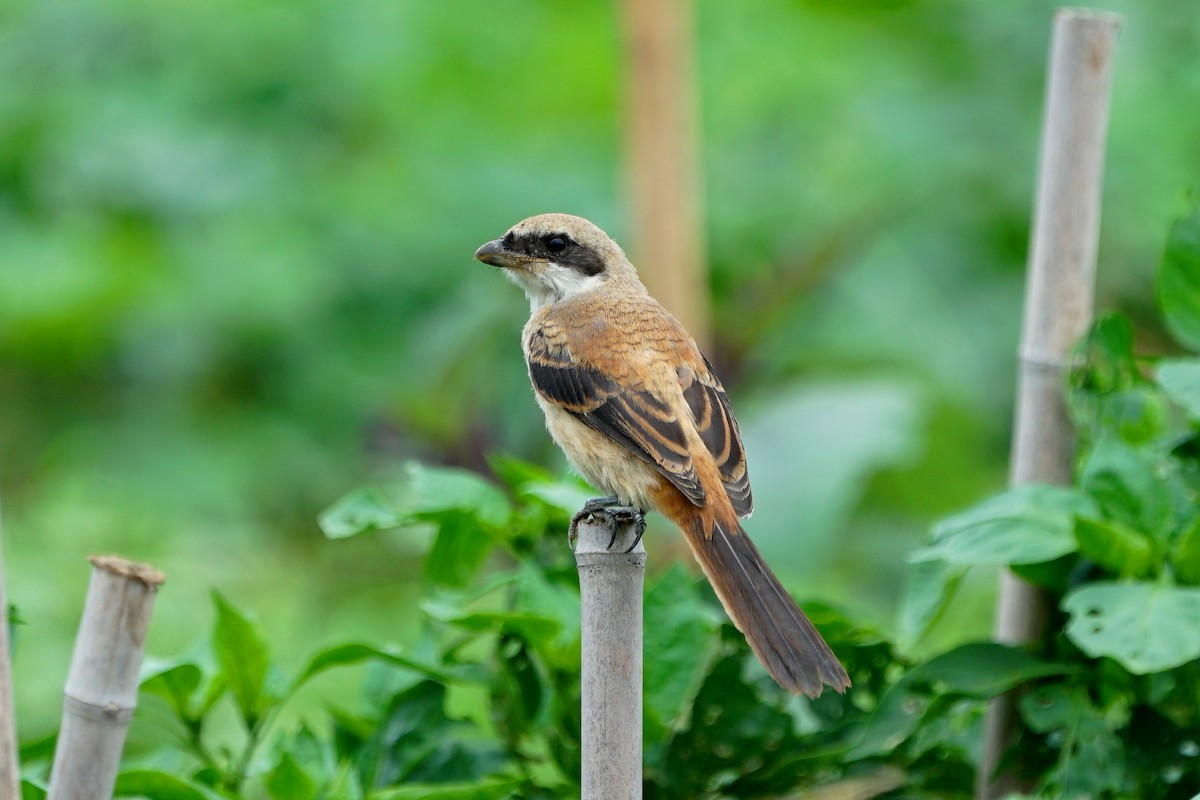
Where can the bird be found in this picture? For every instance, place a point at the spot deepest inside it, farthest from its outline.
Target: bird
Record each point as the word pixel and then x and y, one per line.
pixel 640 414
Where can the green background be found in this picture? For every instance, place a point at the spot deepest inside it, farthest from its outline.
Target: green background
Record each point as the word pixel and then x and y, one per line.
pixel 236 276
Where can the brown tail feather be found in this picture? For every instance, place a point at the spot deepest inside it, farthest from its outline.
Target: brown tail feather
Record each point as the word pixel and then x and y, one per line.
pixel 781 636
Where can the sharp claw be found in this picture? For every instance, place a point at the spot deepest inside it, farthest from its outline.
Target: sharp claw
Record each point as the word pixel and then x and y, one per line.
pixel 641 528
pixel 614 515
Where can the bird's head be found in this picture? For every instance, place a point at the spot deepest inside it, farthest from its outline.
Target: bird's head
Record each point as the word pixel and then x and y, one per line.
pixel 555 256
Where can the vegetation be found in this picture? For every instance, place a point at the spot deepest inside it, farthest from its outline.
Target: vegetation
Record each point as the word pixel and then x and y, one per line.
pixel 486 705
pixel 235 282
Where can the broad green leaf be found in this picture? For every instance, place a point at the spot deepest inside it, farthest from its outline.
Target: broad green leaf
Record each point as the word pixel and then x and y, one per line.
pixel 345 784
pixel 931 588
pixel 487 789
pixel 1185 557
pixel 32 791
pixel 458 756
pixel 1115 546
pixel 531 626
pixel 360 511
pixel 1180 379
pixel 289 781
pixel 1108 393
pixel 1025 525
pixel 984 669
pixel 1146 627
pixel 521 690
pixel 425 493
pixel 431 490
pixel 355 653
pixel 155 785
pixel 893 720
pixel 1179 280
pixel 537 595
pixel 566 497
pixel 679 647
pixel 459 550
pixel 741 727
pixel 244 659
pixel 1125 482
pixel 174 679
pixel 1091 755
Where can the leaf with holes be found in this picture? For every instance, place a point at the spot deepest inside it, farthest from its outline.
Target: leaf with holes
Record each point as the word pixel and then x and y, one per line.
pixel 1146 627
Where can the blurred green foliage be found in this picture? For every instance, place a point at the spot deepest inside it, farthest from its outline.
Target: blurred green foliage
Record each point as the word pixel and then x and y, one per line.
pixel 235 274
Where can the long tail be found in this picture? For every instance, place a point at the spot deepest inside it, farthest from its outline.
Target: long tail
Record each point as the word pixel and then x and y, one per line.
pixel 781 636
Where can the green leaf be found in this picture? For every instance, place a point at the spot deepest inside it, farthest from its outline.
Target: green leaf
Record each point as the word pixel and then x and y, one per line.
pixel 1180 379
pixel 32 791
pixel 425 493
pixel 1115 546
pixel 893 720
pixel 345 785
pixel 1185 556
pixel 155 785
pixel 433 490
pixel 458 551
pixel 1108 393
pixel 354 653
pixel 289 781
pixel 537 595
pixel 981 670
pixel 487 789
pixel 244 659
pixel 931 588
pixel 361 511
pixel 678 650
pixel 1146 627
pixel 1128 487
pixel 174 679
pixel 1091 759
pixel 1025 525
pixel 566 497
pixel 1179 280
pixel 984 669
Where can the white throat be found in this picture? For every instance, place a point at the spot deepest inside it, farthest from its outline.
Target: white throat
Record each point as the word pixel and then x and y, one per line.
pixel 552 283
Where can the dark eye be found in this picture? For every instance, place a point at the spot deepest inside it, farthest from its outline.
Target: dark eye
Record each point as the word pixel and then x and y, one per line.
pixel 556 244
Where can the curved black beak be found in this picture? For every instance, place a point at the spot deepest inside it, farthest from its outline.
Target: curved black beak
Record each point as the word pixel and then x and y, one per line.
pixel 494 253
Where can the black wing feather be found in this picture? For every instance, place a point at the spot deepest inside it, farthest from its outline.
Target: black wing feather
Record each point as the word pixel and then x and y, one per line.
pixel 634 419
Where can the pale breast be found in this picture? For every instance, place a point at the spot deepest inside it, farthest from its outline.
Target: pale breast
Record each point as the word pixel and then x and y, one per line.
pixel 601 461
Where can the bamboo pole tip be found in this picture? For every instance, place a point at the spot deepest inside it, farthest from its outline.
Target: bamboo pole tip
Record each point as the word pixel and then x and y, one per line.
pixel 1110 18
pixel 145 574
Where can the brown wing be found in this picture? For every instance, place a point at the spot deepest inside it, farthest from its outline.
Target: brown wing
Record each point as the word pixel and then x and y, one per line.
pixel 719 431
pixel 642 423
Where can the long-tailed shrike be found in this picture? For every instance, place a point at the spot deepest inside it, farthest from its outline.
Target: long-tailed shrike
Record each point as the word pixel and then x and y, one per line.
pixel 639 413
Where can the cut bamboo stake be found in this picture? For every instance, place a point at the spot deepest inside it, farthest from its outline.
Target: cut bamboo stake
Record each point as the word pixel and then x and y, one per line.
pixel 10 771
pixel 1058 310
pixel 662 158
pixel 101 690
pixel 610 595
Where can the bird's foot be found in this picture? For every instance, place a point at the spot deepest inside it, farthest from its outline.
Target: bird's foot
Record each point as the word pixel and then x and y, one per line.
pixel 614 516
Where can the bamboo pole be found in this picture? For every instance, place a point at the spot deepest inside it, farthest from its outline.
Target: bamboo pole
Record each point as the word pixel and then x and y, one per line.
pixel 662 158
pixel 10 770
pixel 101 690
pixel 610 594
pixel 1058 310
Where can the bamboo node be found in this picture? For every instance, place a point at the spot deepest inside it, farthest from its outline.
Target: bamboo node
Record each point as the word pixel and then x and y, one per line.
pixel 108 712
pixel 1049 362
pixel 145 574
